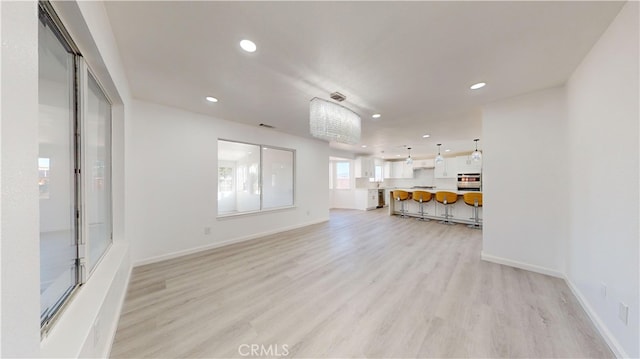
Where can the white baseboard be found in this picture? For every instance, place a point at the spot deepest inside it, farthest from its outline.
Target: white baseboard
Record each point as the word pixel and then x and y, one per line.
pixel 223 243
pixel 611 341
pixel 521 265
pixel 595 319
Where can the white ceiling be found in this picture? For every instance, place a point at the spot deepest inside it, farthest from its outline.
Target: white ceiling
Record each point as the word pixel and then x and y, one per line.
pixel 413 62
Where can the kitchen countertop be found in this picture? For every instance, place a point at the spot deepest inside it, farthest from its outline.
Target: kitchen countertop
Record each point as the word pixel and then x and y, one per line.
pixel 460 193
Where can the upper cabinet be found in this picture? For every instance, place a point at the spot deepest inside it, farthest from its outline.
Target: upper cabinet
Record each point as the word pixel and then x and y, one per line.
pixel 407 170
pixel 398 169
pixel 430 163
pixel 446 169
pixel 466 165
pixel 365 167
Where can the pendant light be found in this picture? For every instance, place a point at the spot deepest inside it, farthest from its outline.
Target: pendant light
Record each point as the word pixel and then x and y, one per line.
pixel 476 155
pixel 439 157
pixel 409 159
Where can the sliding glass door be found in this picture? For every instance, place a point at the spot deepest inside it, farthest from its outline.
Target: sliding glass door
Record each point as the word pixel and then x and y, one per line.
pixel 56 165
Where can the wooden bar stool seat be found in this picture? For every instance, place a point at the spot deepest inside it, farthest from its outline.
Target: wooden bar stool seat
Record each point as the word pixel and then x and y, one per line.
pixel 401 196
pixel 422 197
pixel 475 200
pixel 447 199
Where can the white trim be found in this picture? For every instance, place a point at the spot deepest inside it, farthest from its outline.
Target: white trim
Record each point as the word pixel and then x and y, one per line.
pixel 521 265
pixel 116 318
pixel 251 213
pixel 185 252
pixel 87 305
pixel 609 338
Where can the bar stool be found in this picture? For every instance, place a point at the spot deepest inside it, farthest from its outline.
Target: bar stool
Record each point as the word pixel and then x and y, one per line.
pixel 422 197
pixel 447 199
pixel 401 196
pixel 475 200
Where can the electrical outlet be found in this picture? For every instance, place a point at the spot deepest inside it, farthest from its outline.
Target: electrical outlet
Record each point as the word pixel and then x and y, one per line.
pixel 207 230
pixel 603 290
pixel 623 313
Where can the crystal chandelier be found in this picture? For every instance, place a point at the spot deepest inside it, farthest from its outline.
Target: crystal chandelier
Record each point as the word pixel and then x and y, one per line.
pixel 476 155
pixel 332 122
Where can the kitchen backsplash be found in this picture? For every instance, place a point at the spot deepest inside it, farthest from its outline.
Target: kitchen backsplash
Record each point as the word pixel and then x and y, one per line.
pixel 421 177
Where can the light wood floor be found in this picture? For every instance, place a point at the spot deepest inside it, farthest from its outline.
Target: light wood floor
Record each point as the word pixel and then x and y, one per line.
pixel 362 285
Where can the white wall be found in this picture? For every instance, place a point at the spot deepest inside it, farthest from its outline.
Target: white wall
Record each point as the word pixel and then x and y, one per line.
pixel 174 183
pixel 561 172
pixel 72 335
pixel 20 277
pixel 603 117
pixel 525 181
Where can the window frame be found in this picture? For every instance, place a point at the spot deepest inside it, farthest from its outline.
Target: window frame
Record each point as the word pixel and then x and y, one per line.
pixel 81 72
pixel 48 16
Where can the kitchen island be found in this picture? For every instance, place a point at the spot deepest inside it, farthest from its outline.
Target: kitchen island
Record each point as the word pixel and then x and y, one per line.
pixel 461 212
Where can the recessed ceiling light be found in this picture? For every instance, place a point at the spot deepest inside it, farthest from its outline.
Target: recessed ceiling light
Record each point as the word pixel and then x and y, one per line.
pixel 376 115
pixel 479 85
pixel 397 155
pixel 364 146
pixel 248 45
pixel 211 99
pixel 447 150
pixel 426 136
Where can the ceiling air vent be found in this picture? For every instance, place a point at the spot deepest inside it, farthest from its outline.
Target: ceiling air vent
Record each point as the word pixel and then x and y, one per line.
pixel 338 96
pixel 265 125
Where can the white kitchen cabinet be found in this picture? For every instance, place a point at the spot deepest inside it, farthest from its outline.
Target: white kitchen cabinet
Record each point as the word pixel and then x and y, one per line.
pixel 398 169
pixel 392 169
pixel 429 163
pixel 365 167
pixel 387 169
pixel 465 164
pixel 407 170
pixel 366 199
pixel 372 199
pixel 446 169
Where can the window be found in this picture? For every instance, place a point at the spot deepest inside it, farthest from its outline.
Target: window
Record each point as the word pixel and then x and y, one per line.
pixel 74 166
pixel 96 136
pixel 57 163
pixel 253 178
pixel 277 177
pixel 343 178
